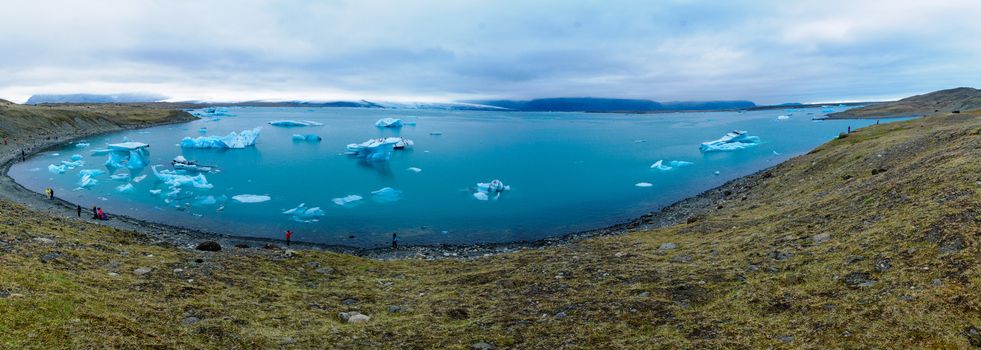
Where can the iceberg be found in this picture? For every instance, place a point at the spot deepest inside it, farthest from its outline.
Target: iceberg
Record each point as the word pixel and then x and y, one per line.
pixel 732 141
pixel 87 181
pixel 389 123
pixel 120 177
pixel 125 188
pixel 307 137
pixel 659 165
pixel 294 123
pixel 233 140
pixel 386 195
pixel 155 192
pixel 375 149
pixel 486 189
pixel 181 163
pixel 131 155
pixel 783 117
pixel 205 200
pixel 414 169
pixel 57 169
pixel 251 198
pixel 82 144
pixel 643 184
pixel 348 201
pixel 76 157
pixel 303 214
pixel 73 165
pixel 176 181
pixel 139 178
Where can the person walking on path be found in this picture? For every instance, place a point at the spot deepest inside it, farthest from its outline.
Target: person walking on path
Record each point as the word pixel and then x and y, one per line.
pixel 79 210
pixel 395 241
pixel 101 215
pixel 95 213
pixel 51 193
pixel 289 235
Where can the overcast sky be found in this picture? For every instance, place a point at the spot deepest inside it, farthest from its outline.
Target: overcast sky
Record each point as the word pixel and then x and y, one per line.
pixel 764 51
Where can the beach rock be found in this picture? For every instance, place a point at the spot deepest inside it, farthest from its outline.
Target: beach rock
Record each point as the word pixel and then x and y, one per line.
pixel 973 336
pixel 349 301
pixel 781 256
pixel 325 270
pixel 289 253
pixel 142 271
pixel 482 346
pixel 242 246
pixel 313 264
pixel 821 238
pixel 644 294
pixel 359 318
pixel 668 246
pixel 851 259
pixel 394 309
pixel 209 246
pixel 786 338
pixel 561 315
pixel 859 280
pixel 883 264
pixel 682 258
pixel 190 320
pixel 50 257
pixel 952 245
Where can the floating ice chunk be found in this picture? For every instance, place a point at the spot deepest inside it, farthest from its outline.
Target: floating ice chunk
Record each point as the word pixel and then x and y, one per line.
pixel 131 155
pixel 125 188
pixel 294 123
pixel 348 201
pixel 374 149
pixel 717 173
pixel 139 178
pixel 386 195
pixel 640 141
pixel 120 177
pixel 87 181
pixel 99 152
pixel 73 165
pixel 203 130
pixel 307 138
pixel 303 214
pixel 181 163
pixel 155 192
pixel 55 154
pixel 643 184
pixel 389 123
pixel 82 144
pixel 206 200
pixel 487 189
pixel 233 140
pixel 776 153
pixel 57 169
pixel 659 165
pixel 414 169
pixel 732 141
pixel 251 198
pixel 176 180
pixel 76 157
pixel 90 172
pixel 783 117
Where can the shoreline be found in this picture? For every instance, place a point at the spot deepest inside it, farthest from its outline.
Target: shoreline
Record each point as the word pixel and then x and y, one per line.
pixel 686 210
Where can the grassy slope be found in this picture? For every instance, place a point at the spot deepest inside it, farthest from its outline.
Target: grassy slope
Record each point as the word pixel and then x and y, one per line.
pixel 22 120
pixel 724 285
pixel 958 99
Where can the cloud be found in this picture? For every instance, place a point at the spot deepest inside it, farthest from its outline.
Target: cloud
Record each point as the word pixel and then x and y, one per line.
pixel 766 51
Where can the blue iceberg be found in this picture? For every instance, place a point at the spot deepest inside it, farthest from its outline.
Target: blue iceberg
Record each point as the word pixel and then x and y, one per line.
pixel 389 123
pixel 87 180
pixel 131 155
pixel 732 141
pixel 485 190
pixel 659 165
pixel 348 201
pixel 303 214
pixel 127 188
pixel 386 195
pixel 374 149
pixel 233 140
pixel 73 165
pixel 120 177
pixel 294 123
pixel 82 144
pixel 307 138
pixel 76 157
pixel 176 181
pixel 251 198
pixel 57 169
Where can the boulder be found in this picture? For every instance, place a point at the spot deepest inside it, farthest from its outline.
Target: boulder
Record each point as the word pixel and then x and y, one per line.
pixel 209 246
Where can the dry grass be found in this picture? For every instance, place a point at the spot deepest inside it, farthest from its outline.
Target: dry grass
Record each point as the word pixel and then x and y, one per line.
pixel 749 275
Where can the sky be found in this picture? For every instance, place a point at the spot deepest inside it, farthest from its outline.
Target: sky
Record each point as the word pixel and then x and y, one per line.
pixel 764 51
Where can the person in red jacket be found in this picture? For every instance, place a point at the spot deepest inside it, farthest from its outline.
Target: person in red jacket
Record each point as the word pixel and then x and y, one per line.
pixel 289 234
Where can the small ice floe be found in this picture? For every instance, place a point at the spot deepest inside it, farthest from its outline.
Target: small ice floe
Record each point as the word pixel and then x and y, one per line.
pixel 378 149
pixel 119 177
pixel 643 184
pixel 303 214
pixel 717 173
pixel 389 123
pixel 175 180
pixel 639 141
pixel 348 201
pixel 659 165
pixel 783 117
pixel 233 140
pixel 57 169
pixel 131 155
pixel 294 123
pixel 82 144
pixel 181 163
pixel 87 181
pixel 488 190
pixel 55 154
pixel 306 138
pixel 732 141
pixel 139 178
pixel 203 130
pixel 414 169
pixel 776 153
pixel 125 188
pixel 76 157
pixel 251 198
pixel 155 192
pixel 386 195
pixel 72 165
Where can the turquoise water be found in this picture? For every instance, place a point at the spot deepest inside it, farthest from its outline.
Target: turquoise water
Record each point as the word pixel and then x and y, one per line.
pixel 567 171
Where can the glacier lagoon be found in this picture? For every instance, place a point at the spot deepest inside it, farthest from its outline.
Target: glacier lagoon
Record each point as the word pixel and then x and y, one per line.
pixel 566 172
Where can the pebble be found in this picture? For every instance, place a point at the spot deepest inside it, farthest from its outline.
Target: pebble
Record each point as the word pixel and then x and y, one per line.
pixel 142 271
pixel 349 301
pixel 668 246
pixel 482 346
pixel 44 240
pixel 394 309
pixel 112 274
pixel 359 318
pixel 325 270
pixel 821 238
pixel 50 257
pixel 190 320
pixel 644 294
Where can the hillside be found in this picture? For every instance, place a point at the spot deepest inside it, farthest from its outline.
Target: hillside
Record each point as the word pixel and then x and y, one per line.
pixel 868 241
pixel 26 121
pixel 958 99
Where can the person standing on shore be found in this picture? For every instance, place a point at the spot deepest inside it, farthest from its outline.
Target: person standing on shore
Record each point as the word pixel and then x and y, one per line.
pixel 95 213
pixel 395 241
pixel 100 215
pixel 79 210
pixel 289 235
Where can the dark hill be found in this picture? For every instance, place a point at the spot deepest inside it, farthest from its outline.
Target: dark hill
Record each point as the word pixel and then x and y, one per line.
pixel 958 99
